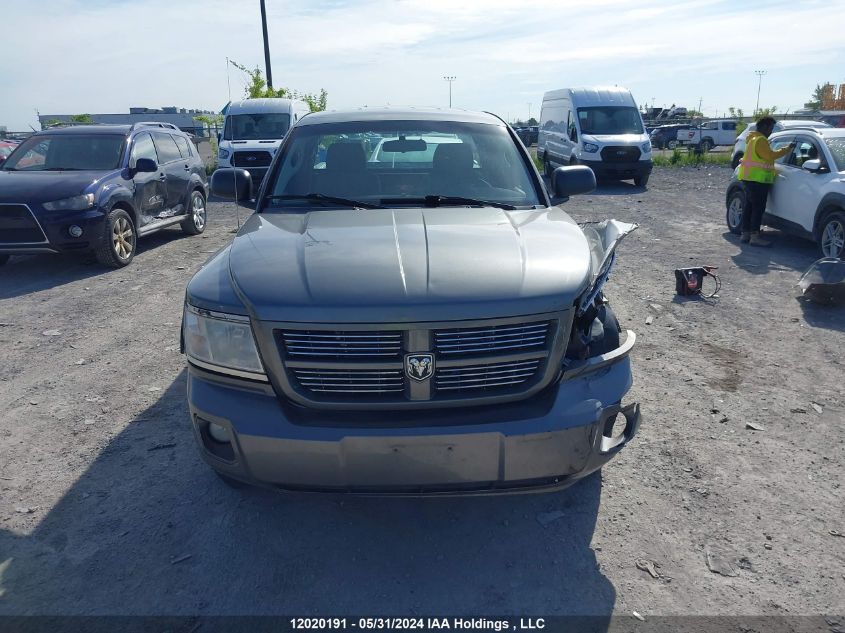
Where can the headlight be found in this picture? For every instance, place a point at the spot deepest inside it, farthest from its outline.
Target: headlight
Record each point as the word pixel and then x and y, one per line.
pixel 223 154
pixel 591 148
pixel 221 342
pixel 646 147
pixel 77 203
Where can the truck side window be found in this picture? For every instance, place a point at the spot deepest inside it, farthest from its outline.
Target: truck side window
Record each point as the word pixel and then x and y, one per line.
pixel 142 147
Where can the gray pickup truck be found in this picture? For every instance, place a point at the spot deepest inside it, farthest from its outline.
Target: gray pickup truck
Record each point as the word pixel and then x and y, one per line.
pixel 408 312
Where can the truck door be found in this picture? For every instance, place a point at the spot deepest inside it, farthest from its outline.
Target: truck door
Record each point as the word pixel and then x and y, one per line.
pixel 150 188
pixel 178 174
pixel 798 188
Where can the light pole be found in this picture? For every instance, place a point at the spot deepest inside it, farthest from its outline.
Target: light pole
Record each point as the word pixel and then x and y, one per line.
pixel 529 113
pixel 450 79
pixel 759 74
pixel 266 46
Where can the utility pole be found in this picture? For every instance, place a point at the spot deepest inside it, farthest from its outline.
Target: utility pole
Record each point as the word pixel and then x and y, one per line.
pixel 450 79
pixel 529 112
pixel 266 46
pixel 759 74
pixel 700 99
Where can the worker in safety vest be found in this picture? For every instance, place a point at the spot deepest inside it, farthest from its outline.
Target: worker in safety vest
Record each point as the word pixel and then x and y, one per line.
pixel 757 171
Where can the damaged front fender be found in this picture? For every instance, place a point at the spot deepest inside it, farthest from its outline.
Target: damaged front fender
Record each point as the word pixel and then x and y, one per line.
pixel 603 238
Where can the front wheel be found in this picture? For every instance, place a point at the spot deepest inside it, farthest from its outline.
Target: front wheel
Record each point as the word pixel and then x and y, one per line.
pixel 672 144
pixel 194 222
pixel 832 235
pixel 118 243
pixel 706 145
pixel 641 181
pixel 735 211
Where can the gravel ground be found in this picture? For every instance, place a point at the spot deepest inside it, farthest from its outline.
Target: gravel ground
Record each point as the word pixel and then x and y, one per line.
pixel 106 508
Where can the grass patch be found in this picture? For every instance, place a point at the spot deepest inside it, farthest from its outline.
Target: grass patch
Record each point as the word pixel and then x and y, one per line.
pixel 688 158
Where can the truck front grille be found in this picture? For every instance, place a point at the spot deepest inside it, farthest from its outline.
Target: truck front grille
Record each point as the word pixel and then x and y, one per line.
pixel 19 226
pixel 251 159
pixel 620 154
pixel 355 367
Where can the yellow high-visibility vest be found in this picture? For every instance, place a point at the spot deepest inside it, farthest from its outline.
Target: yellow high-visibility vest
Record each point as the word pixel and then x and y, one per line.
pixel 754 168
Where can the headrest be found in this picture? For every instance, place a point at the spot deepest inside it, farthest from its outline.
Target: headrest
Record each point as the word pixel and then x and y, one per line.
pixel 453 157
pixel 346 156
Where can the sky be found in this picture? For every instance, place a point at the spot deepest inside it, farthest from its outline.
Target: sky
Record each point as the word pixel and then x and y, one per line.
pixel 102 56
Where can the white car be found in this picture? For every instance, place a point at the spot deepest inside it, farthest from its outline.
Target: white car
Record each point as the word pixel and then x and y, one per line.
pixel 808 195
pixel 739 146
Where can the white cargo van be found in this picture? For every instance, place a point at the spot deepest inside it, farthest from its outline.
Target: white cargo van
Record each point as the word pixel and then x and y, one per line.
pixel 598 127
pixel 252 132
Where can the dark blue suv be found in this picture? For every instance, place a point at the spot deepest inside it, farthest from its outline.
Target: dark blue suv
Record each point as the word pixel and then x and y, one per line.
pixel 98 188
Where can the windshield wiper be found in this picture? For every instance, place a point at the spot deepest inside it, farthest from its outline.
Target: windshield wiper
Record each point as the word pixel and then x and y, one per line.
pixel 319 197
pixel 440 201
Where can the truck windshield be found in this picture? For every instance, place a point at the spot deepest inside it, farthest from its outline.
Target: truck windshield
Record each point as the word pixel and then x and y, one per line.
pixel 254 127
pixel 395 163
pixel 610 120
pixel 67 152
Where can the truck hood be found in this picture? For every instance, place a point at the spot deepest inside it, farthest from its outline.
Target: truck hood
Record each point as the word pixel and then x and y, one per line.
pixel 408 265
pixel 44 186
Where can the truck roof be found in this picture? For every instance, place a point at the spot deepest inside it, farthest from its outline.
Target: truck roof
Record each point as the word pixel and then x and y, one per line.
pixel 251 106
pixel 595 96
pixel 400 114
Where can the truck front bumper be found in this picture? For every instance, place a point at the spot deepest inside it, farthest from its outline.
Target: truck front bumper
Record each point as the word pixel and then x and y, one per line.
pixel 551 440
pixel 621 171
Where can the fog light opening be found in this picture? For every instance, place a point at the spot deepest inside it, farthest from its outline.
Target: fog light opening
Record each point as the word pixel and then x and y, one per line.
pixel 614 428
pixel 75 231
pixel 218 433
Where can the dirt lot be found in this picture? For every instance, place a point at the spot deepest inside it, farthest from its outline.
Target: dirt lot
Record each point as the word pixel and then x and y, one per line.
pixel 106 508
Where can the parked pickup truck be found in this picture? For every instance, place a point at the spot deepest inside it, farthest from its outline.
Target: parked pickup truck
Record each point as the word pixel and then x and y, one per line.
pixel 709 134
pixel 417 318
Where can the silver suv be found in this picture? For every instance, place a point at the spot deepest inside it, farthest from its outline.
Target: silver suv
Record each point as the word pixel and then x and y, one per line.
pixel 808 195
pixel 407 312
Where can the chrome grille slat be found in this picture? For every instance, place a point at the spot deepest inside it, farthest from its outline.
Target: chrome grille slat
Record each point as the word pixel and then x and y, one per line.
pixel 491 335
pixel 341 345
pixel 489 376
pixel 492 340
pixel 350 381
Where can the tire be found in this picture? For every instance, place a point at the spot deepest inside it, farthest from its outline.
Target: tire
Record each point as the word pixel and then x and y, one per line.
pixel 194 223
pixel 735 210
pixel 735 160
pixel 641 181
pixel 832 235
pixel 672 145
pixel 4 259
pixel 119 240
pixel 237 484
pixel 706 145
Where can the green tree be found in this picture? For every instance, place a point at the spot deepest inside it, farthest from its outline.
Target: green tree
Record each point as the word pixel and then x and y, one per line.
pixel 257 88
pixel 81 118
pixel 210 121
pixel 761 112
pixel 815 102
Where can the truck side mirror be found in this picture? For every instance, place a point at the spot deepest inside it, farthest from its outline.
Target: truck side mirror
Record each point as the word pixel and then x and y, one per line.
pixel 570 181
pixel 232 184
